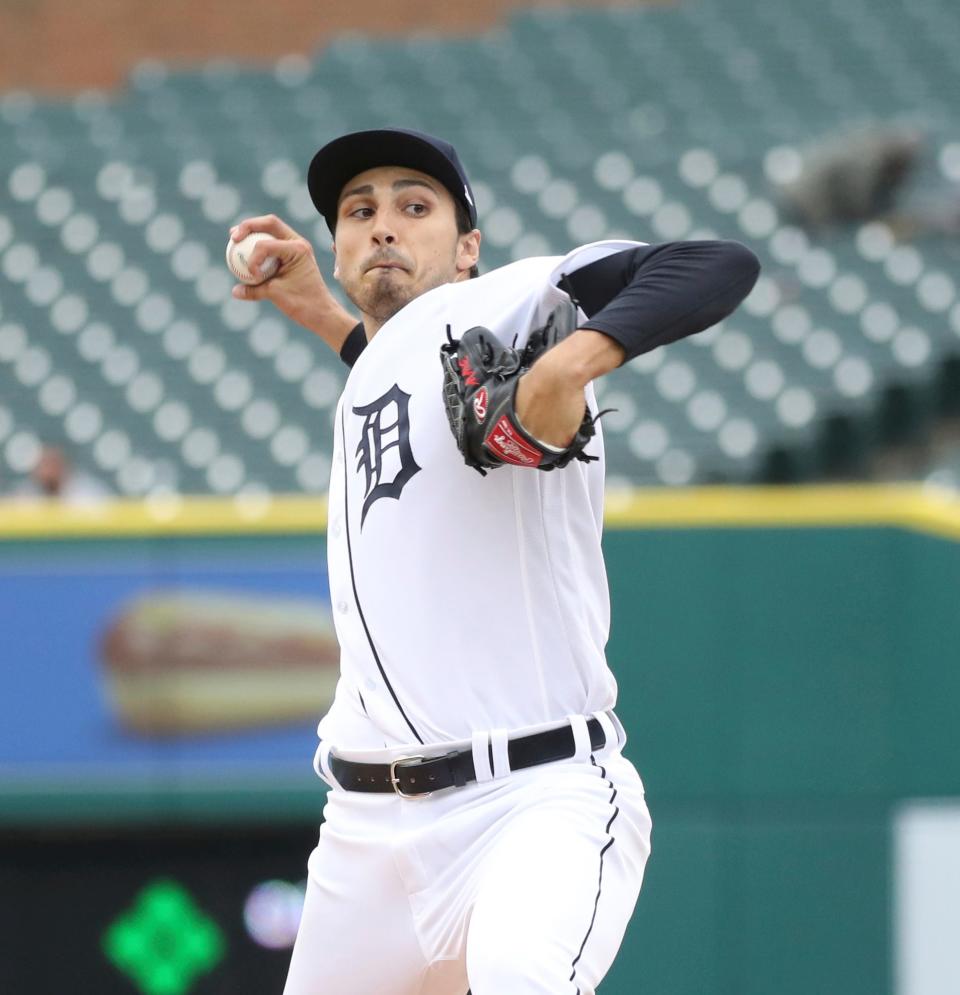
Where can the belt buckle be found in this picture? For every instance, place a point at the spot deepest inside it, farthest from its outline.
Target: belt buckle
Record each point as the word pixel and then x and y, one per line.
pixel 395 781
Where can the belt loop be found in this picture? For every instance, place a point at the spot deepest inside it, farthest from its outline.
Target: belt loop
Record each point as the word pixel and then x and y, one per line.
pixel 501 756
pixel 321 764
pixel 610 734
pixel 481 757
pixel 581 738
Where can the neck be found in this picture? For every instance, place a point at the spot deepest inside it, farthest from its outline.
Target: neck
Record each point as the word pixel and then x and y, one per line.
pixel 372 325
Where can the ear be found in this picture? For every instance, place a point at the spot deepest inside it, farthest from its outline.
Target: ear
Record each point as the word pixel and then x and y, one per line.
pixel 336 265
pixel 468 251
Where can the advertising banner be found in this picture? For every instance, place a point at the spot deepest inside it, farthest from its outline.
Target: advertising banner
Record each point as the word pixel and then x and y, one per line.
pixel 158 667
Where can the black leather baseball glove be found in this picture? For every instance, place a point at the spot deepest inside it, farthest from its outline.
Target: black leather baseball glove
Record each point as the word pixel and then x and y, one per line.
pixel 480 377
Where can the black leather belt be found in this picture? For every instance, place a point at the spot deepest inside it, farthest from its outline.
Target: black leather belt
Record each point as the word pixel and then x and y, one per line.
pixel 413 776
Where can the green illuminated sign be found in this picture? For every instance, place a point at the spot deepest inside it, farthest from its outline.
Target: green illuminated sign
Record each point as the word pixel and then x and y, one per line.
pixel 164 941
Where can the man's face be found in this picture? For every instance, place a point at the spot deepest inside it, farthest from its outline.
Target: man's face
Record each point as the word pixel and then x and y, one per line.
pixel 397 238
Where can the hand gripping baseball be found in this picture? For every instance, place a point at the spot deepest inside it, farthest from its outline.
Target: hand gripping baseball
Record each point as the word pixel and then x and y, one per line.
pixel 296 287
pixel 480 377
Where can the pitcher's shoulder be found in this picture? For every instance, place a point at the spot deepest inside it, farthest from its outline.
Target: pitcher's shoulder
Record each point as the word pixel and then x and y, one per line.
pixel 513 278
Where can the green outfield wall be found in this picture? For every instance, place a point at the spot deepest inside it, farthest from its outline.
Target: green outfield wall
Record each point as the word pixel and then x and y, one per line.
pixel 783 689
pixel 788 671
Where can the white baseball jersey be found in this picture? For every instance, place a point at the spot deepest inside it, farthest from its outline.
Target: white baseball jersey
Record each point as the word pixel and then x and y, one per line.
pixel 462 603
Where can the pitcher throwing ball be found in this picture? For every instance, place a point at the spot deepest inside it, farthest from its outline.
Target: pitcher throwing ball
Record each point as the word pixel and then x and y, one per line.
pixel 483 830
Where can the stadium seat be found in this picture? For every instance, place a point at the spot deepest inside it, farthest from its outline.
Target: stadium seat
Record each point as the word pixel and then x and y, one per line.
pixel 119 339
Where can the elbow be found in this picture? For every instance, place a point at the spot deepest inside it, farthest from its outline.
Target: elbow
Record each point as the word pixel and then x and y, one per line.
pixel 736 273
pixel 721 264
pixel 741 263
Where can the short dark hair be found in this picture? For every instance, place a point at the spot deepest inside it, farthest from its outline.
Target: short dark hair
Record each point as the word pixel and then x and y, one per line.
pixel 464 228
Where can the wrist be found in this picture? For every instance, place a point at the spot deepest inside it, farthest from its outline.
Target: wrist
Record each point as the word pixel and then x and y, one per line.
pixel 332 322
pixel 581 358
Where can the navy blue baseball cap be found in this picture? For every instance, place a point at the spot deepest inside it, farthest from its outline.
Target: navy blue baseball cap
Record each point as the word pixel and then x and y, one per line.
pixel 343 158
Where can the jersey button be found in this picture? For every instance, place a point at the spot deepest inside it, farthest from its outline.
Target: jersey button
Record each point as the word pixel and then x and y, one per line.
pixel 343 607
pixel 335 528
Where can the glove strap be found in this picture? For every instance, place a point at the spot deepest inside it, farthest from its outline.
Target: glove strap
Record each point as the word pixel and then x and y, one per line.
pixel 556 450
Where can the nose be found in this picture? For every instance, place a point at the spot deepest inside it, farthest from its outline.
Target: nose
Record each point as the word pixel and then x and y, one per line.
pixel 383 234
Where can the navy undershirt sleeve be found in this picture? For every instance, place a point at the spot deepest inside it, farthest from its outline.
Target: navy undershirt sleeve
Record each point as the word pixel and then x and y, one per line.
pixel 353 345
pixel 655 294
pixel 651 295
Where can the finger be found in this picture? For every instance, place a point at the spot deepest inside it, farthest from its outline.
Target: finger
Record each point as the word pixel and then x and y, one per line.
pixel 285 251
pixel 245 292
pixel 268 223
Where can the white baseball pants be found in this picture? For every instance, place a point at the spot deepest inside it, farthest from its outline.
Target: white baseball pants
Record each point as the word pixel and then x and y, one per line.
pixel 522 885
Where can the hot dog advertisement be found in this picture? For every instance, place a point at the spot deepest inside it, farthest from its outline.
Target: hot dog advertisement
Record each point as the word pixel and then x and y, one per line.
pixel 162 666
pixel 189 661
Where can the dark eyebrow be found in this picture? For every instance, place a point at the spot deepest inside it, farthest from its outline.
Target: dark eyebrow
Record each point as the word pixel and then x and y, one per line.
pixel 402 184
pixel 367 188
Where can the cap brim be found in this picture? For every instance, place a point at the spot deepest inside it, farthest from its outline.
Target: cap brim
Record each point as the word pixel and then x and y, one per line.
pixel 343 158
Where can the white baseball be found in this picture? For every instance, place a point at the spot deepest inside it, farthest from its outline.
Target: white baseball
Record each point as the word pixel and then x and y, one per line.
pixel 238 256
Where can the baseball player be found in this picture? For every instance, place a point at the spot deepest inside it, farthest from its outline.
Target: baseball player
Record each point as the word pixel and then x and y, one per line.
pixel 484 830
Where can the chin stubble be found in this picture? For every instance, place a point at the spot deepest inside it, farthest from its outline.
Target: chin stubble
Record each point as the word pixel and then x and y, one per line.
pixel 383 300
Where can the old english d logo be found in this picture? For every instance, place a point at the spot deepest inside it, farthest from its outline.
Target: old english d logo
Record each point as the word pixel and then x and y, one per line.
pixel 384 451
